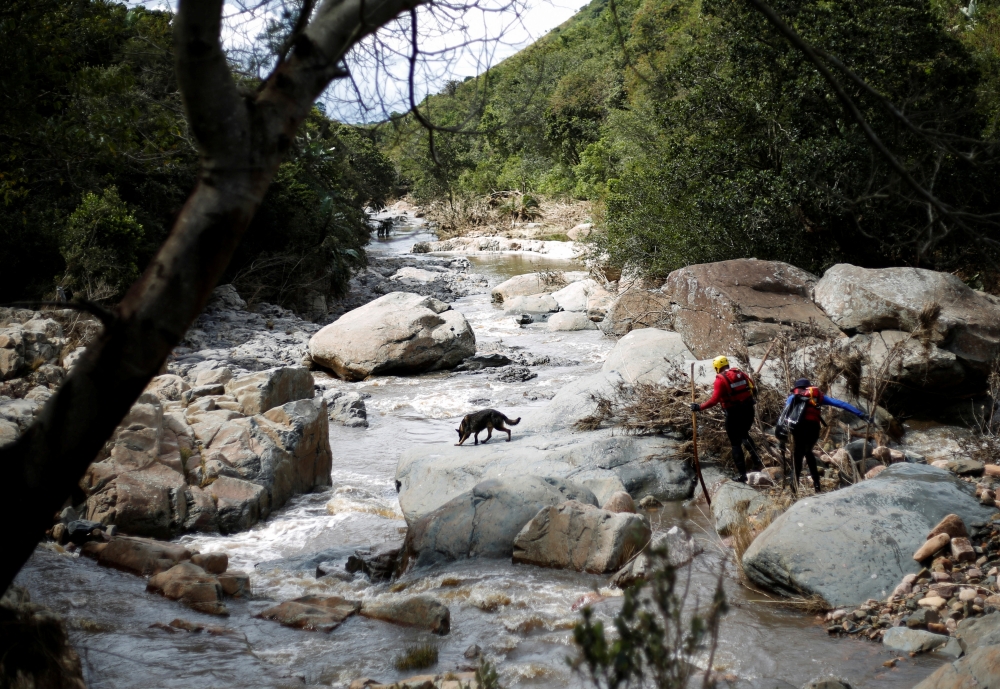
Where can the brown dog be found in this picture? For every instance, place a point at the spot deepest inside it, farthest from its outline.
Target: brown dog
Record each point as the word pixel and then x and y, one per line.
pixel 487 419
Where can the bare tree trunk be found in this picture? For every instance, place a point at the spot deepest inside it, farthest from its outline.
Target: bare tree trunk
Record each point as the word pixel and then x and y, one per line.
pixel 242 139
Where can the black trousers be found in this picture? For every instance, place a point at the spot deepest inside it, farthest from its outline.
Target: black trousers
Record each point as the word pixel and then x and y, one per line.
pixel 805 434
pixel 739 420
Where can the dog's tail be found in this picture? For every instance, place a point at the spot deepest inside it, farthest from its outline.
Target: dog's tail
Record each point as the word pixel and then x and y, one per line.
pixel 512 422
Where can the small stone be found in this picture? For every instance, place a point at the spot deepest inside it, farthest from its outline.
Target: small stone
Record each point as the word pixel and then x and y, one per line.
pixel 952 525
pixel 951 625
pixel 931 546
pixel 992 470
pixel 909 578
pixel 932 602
pixel 59 533
pixel 473 652
pixel 967 595
pixel 937 628
pixel 620 502
pixel 921 618
pixel 961 550
pixel 837 615
pixel 940 576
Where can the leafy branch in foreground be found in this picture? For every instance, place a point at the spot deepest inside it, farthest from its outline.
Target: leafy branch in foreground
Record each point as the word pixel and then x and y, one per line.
pixel 657 641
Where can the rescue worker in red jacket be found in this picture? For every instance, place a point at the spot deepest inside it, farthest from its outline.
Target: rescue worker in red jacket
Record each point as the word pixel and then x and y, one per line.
pixel 734 391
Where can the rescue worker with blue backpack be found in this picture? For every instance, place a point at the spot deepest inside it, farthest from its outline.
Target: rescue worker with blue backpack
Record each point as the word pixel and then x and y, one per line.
pixel 734 391
pixel 801 418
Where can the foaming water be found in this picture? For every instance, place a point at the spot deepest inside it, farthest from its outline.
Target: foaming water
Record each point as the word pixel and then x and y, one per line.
pixel 520 616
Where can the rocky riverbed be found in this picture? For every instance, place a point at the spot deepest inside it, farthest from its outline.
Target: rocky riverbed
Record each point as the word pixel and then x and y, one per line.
pixel 396 537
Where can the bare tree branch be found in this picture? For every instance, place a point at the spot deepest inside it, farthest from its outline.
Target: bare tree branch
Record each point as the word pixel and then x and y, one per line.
pixel 242 140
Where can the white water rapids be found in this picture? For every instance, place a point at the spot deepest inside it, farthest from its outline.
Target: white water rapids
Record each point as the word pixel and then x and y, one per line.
pixel 520 616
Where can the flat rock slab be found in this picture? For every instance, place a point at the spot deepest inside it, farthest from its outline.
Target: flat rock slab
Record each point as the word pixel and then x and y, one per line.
pixel 192 585
pixel 416 611
pixel 315 613
pixel 142 556
pixel 907 640
pixel 857 543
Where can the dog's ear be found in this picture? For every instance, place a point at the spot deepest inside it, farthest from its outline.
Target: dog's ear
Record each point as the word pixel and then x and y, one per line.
pixel 459 431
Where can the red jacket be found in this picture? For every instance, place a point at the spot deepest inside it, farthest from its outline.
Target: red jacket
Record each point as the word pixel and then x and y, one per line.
pixel 732 387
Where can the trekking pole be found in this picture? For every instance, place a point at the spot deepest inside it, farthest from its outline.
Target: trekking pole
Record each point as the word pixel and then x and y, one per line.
pixel 764 360
pixel 694 441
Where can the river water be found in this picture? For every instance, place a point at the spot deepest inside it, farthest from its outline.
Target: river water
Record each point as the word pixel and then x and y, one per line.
pixel 520 616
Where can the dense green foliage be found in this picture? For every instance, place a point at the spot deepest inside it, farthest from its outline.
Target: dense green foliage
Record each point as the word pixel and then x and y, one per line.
pixel 706 136
pixel 96 160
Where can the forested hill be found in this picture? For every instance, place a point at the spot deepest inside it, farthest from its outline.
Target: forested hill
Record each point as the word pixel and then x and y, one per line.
pixel 702 135
pixel 96 160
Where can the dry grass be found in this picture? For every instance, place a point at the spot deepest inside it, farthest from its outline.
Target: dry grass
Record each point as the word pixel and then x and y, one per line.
pixel 416 658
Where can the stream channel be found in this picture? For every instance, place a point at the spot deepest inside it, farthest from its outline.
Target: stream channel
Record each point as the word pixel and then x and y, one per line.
pixel 521 616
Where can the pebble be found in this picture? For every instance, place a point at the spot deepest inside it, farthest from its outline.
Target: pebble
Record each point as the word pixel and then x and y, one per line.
pixel 932 602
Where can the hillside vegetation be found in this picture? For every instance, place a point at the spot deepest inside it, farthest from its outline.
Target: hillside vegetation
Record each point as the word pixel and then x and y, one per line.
pixel 702 135
pixel 96 161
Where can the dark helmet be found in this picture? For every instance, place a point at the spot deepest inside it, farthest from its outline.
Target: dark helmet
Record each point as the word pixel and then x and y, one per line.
pixel 802 383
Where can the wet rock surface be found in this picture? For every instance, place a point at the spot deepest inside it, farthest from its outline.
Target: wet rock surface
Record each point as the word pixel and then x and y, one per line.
pixel 485 521
pixel 855 543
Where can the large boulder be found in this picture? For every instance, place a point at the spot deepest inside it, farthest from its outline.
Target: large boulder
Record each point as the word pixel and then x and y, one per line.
pixel 192 585
pixel 567 321
pixel 635 309
pixel 857 543
pixel 399 333
pixel 586 296
pixel 648 355
pixel 484 521
pixel 142 556
pixel 869 300
pixel 532 283
pixel 265 390
pixel 575 535
pixel 315 613
pixel 422 612
pixel 717 307
pixel 162 476
pixel 534 305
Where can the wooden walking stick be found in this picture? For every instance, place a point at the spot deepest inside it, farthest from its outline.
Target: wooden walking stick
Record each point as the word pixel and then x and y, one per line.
pixel 694 441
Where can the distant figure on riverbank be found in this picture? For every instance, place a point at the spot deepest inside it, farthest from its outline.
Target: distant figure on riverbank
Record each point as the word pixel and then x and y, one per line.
pixel 801 417
pixel 735 392
pixel 487 419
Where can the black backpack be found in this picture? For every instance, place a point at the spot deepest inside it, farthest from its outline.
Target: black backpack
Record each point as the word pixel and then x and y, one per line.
pixel 790 417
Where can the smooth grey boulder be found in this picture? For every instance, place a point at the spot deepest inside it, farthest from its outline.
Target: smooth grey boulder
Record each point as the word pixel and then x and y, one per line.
pixel 485 521
pixel 857 543
pixel 568 321
pixel 868 300
pixel 907 640
pixel 533 283
pixel 574 535
pixel 428 476
pixel 537 305
pixel 648 355
pixel 400 333
pixel 586 296
pixel 347 408
pixel 731 504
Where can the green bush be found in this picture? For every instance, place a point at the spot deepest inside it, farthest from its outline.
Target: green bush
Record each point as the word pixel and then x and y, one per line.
pixel 101 246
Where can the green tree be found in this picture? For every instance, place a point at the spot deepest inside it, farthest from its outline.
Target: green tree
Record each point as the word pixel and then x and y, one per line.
pixel 101 246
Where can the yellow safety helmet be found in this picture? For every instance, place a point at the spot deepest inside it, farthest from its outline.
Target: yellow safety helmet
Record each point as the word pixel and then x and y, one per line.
pixel 719 363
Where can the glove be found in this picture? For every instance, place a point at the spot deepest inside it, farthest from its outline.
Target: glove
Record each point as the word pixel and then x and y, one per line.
pixel 695 406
